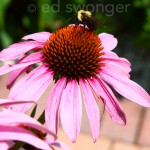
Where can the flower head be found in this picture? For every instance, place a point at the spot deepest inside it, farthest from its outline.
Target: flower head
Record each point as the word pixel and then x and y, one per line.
pixel 73 53
pixel 80 63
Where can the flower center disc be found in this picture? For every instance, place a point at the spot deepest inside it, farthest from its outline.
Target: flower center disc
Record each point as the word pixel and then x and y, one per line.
pixel 73 52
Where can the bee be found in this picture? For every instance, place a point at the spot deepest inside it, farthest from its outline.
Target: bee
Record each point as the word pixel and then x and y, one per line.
pixel 85 17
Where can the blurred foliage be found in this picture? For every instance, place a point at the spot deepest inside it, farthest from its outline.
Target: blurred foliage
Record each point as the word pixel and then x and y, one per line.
pixel 128 20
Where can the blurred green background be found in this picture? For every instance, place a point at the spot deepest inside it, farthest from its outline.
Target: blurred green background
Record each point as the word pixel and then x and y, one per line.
pixel 128 20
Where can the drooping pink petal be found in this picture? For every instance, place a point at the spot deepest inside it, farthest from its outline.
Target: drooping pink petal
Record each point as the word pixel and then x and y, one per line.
pixel 40 36
pixel 118 69
pixel 71 110
pixel 110 58
pixel 91 109
pixel 109 42
pixel 26 61
pixel 110 54
pixel 119 66
pixel 30 87
pixel 53 104
pixel 110 101
pixel 10 118
pixel 127 88
pixel 16 50
pixel 10 133
pixel 7 145
pixel 4 145
pixel 7 102
pixel 13 76
pixel 60 145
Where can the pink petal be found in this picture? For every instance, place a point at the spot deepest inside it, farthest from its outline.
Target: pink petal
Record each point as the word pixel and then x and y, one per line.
pixel 10 118
pixel 52 106
pixel 6 145
pixel 110 54
pixel 61 145
pixel 16 50
pixel 40 36
pixel 8 133
pixel 109 42
pixel 25 62
pixel 30 87
pixel 127 88
pixel 91 109
pixel 110 58
pixel 13 76
pixel 111 61
pixel 121 66
pixel 7 102
pixel 71 110
pixel 110 101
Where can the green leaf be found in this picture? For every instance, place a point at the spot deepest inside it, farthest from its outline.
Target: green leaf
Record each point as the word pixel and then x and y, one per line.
pixel 5 39
pixel 34 111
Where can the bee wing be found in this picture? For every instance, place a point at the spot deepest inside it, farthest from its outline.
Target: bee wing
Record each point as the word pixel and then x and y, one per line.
pixel 73 17
pixel 101 23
